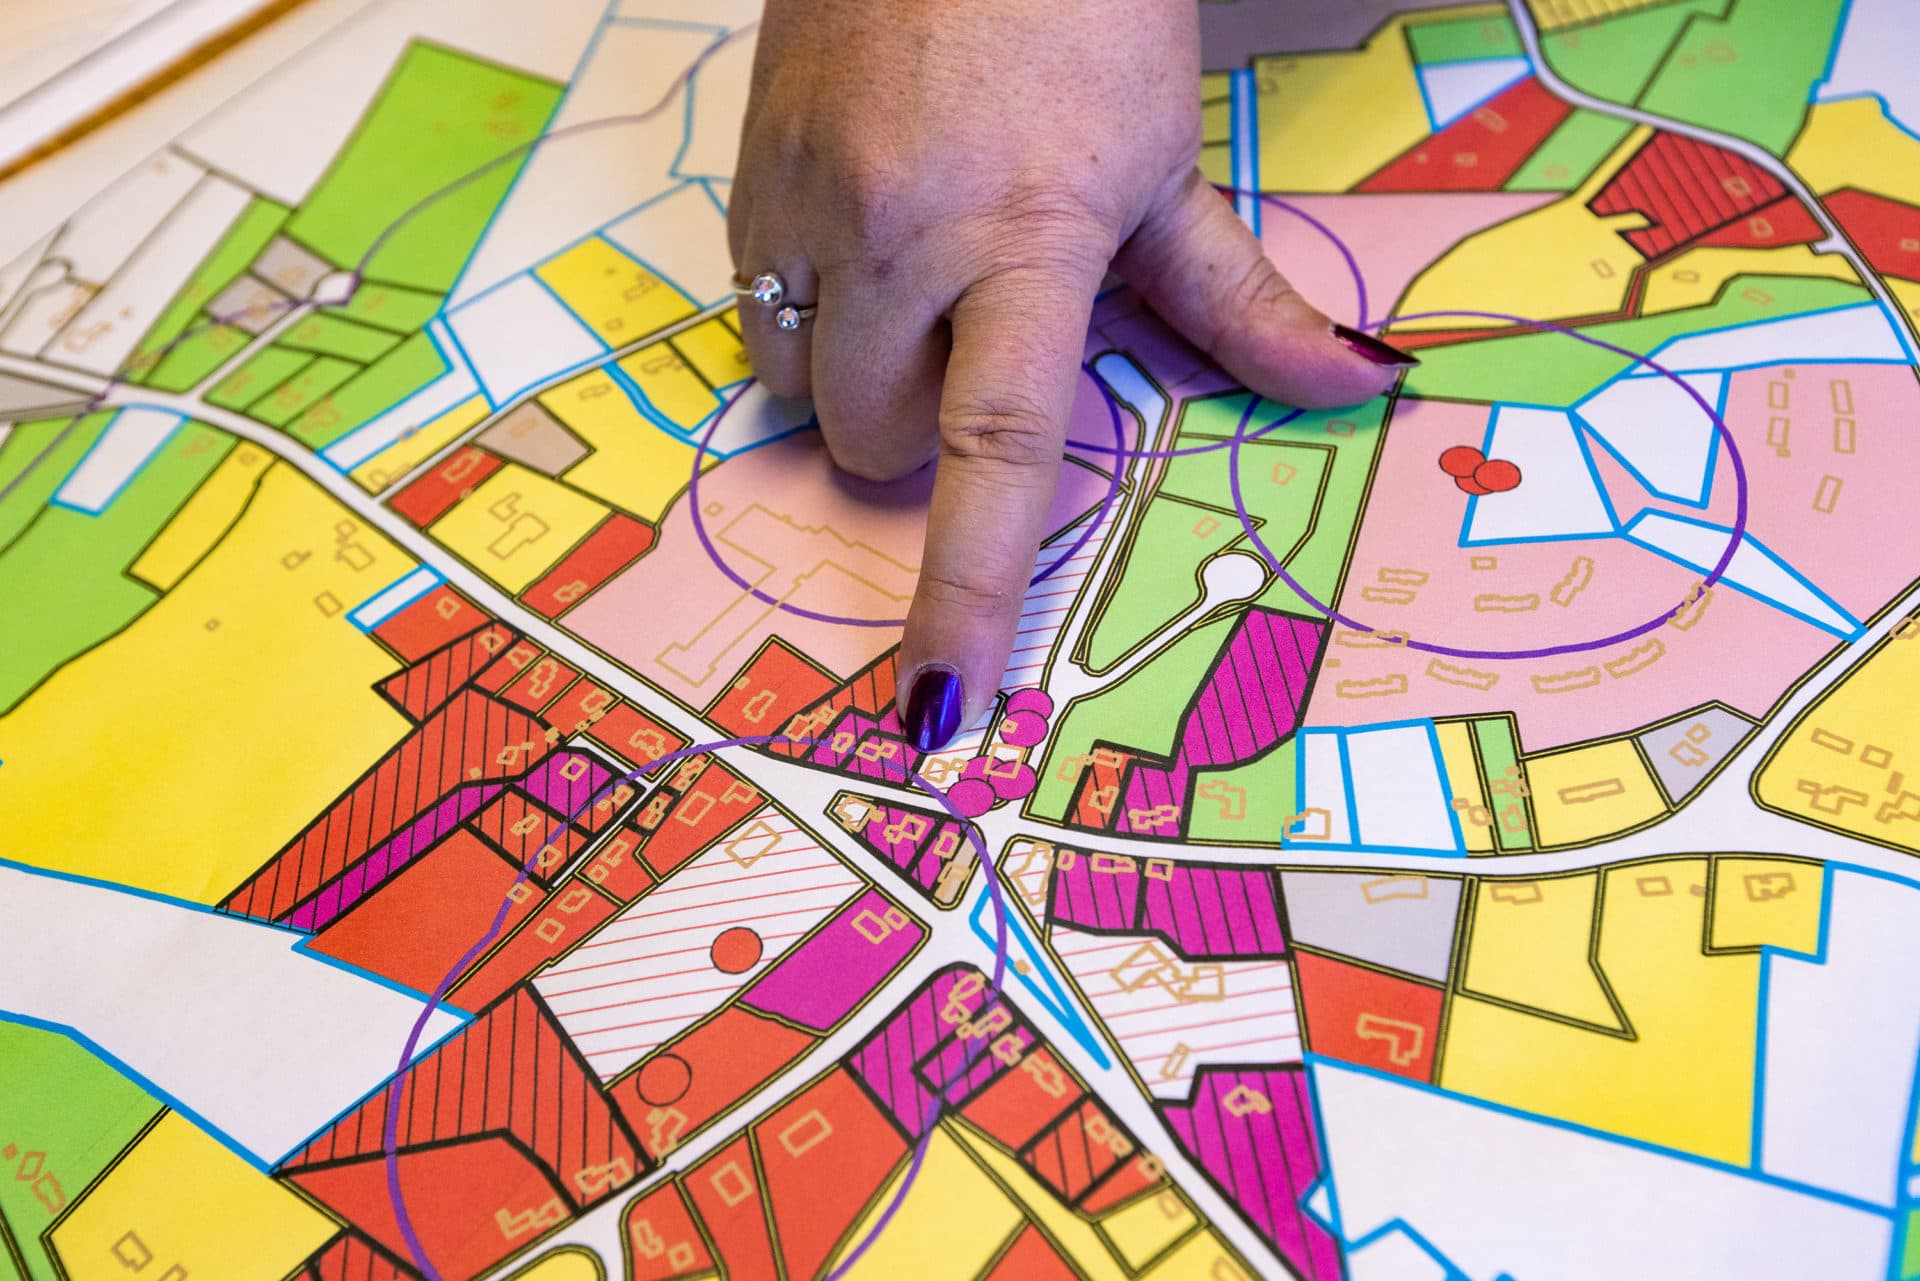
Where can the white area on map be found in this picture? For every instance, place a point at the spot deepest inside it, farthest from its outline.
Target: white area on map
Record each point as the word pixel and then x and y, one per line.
pixel 757 417
pixel 646 975
pixel 264 1042
pixel 134 436
pixel 1499 1194
pixel 384 604
pixel 1875 57
pixel 283 131
pixel 721 14
pixel 568 189
pixel 1659 431
pixel 96 242
pixel 104 333
pixel 1393 1257
pixel 682 238
pixel 1843 1037
pixel 1755 568
pixel 1400 799
pixel 1173 1016
pixel 1558 495
pixel 719 105
pixel 453 388
pixel 1323 787
pixel 1859 335
pixel 519 335
pixel 1452 89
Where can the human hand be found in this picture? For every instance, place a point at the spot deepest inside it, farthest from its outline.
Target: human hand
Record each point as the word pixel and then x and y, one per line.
pixel 951 182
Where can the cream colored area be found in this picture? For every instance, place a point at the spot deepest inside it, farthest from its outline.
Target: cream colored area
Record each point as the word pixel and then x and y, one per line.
pixel 948 1228
pixel 180 1204
pixel 1853 144
pixel 1771 902
pixel 1310 129
pixel 1531 945
pixel 205 518
pixel 1697 277
pixel 1685 1080
pixel 1590 793
pixel 635 465
pixel 415 447
pixel 1469 799
pixel 517 525
pixel 180 754
pixel 1559 261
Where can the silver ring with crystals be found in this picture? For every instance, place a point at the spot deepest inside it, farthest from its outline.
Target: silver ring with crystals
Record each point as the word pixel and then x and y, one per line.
pixel 769 289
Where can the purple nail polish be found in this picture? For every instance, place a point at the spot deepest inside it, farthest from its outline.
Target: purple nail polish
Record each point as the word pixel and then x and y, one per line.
pixel 933 708
pixel 1373 349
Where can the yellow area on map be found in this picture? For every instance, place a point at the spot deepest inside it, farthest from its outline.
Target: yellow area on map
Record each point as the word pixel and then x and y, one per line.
pixel 1566 13
pixel 1146 1227
pixel 670 385
pixel 1695 278
pixel 1201 1258
pixel 1770 901
pixel 227 715
pixel 635 465
pixel 180 1204
pixel 1463 777
pixel 205 518
pixel 1852 144
pixel 517 525
pixel 1216 127
pixel 1852 761
pixel 1559 260
pixel 568 1263
pixel 1305 101
pixel 414 448
pixel 1907 294
pixel 1591 792
pixel 619 299
pixel 1531 944
pixel 1685 1081
pixel 949 1226
pixel 715 351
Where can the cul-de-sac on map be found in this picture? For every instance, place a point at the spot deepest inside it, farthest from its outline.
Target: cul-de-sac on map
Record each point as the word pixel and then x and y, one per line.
pixel 455 823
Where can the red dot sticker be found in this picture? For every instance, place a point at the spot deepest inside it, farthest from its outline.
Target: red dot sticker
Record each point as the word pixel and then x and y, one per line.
pixel 1497 475
pixel 736 951
pixel 1461 460
pixel 1468 485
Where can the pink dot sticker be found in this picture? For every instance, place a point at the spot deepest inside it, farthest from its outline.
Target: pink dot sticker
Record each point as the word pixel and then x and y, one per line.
pixel 1037 701
pixel 972 797
pixel 1023 729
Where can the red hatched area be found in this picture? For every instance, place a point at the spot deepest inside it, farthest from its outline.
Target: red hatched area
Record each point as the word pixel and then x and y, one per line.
pixel 434 494
pixel 1684 189
pixel 1887 231
pixel 425 687
pixel 870 690
pixel 1482 149
pixel 617 542
pixel 503 1122
pixel 1366 1017
pixel 350 1257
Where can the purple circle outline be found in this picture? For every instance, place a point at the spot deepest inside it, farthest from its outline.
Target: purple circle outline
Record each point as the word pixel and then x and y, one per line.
pixel 713 553
pixel 1734 539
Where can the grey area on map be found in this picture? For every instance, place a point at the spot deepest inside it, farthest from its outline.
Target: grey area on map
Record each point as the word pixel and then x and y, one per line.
pixel 529 434
pixel 24 398
pixel 250 304
pixel 1234 31
pixel 1400 920
pixel 292 267
pixel 1684 752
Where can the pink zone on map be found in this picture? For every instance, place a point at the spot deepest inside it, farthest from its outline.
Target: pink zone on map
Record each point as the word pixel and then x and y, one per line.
pixel 821 981
pixel 799 530
pixel 1739 650
pixel 1394 238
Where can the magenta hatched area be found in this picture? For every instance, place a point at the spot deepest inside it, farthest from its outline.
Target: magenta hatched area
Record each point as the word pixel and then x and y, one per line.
pixel 857 744
pixel 916 1046
pixel 1250 702
pixel 389 857
pixel 1252 1131
pixel 566 782
pixel 915 841
pixel 822 980
pixel 1205 910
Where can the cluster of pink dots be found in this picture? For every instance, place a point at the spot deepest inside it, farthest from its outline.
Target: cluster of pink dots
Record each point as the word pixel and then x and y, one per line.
pixel 989 780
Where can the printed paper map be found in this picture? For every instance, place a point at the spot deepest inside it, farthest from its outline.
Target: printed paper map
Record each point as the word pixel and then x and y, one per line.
pixel 454 822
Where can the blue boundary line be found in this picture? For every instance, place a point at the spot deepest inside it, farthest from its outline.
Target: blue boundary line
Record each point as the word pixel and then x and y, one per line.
pixel 1054 998
pixel 133 474
pixel 1244 144
pixel 1748 542
pixel 1714 443
pixel 359 616
pixel 1426 97
pixel 1787 358
pixel 1586 457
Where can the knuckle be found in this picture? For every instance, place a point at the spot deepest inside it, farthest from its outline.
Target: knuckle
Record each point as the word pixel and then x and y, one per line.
pixel 969 594
pixel 1012 427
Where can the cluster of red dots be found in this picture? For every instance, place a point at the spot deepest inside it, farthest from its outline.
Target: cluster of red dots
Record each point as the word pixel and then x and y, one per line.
pixel 1477 474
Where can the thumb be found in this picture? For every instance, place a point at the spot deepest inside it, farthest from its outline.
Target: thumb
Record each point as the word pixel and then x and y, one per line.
pixel 1207 275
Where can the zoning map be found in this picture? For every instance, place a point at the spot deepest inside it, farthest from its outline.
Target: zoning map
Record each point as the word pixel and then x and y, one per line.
pixel 455 823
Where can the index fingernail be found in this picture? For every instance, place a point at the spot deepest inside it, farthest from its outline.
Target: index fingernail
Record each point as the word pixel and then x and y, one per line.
pixel 933 708
pixel 1373 349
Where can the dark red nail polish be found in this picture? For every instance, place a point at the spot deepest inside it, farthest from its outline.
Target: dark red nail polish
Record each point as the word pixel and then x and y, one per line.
pixel 1373 349
pixel 933 708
